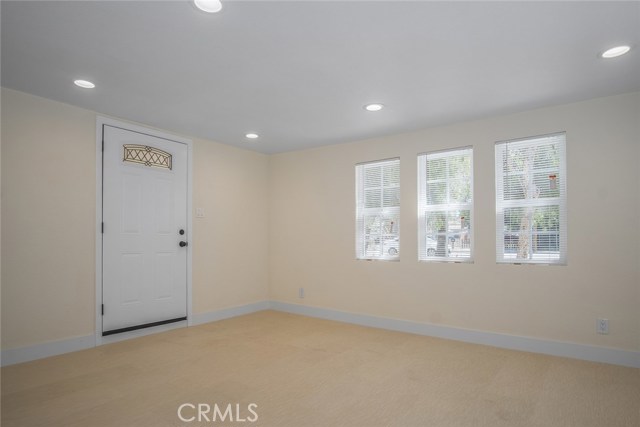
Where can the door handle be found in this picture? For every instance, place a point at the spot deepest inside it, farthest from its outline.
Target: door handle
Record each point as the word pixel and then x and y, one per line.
pixel 183 244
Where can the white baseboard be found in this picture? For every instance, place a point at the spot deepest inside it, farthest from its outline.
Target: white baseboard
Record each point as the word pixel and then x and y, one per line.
pixel 555 348
pixel 225 313
pixel 513 342
pixel 39 351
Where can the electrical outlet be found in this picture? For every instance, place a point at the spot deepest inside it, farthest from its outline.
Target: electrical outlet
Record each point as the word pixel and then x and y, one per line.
pixel 603 326
pixel 200 213
pixel 300 292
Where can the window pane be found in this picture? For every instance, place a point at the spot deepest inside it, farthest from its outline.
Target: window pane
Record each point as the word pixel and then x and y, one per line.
pixel 514 187
pixel 445 197
pixel 546 184
pixel 459 166
pixel 436 193
pixel 377 209
pixel 532 233
pixel 531 172
pixel 372 176
pixel 436 169
pixel 448 234
pixel 460 190
pixel 531 200
pixel 391 174
pixel 381 235
pixel 391 197
pixel 373 198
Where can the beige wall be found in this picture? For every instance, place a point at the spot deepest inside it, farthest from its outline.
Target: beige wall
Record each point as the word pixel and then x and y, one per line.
pixel 48 222
pixel 312 217
pixel 287 221
pixel 230 255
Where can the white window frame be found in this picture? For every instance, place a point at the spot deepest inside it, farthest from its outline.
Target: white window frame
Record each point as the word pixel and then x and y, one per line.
pixel 560 181
pixel 362 212
pixel 424 208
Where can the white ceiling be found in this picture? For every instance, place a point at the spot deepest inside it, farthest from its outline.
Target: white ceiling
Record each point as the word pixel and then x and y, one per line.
pixel 299 72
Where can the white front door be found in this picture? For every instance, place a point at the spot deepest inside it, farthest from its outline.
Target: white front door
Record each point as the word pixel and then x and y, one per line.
pixel 144 271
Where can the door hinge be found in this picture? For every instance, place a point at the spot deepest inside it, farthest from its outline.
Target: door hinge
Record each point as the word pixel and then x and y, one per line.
pixel 103 309
pixel 103 145
pixel 103 228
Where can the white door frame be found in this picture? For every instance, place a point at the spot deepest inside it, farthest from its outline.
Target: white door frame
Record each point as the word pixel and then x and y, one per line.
pixel 100 121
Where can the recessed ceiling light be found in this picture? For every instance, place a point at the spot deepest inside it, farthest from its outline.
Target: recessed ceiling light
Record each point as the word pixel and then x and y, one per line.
pixel 252 135
pixel 84 84
pixel 209 6
pixel 373 107
pixel 616 51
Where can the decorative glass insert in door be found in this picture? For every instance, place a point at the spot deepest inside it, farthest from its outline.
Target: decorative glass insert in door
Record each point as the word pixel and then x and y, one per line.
pixel 147 156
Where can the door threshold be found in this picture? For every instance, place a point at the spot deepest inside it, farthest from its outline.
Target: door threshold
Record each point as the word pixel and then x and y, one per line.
pixel 108 339
pixel 143 326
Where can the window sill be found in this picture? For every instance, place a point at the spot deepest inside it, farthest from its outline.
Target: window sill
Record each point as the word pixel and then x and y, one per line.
pixel 379 259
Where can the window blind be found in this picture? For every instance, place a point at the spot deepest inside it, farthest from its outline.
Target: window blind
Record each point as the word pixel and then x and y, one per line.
pixel 531 200
pixel 445 205
pixel 378 210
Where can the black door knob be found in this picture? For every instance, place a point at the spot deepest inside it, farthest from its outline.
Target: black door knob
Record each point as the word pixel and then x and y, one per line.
pixel 183 244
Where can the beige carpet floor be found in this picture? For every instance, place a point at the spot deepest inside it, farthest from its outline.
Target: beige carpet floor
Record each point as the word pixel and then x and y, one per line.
pixel 301 371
